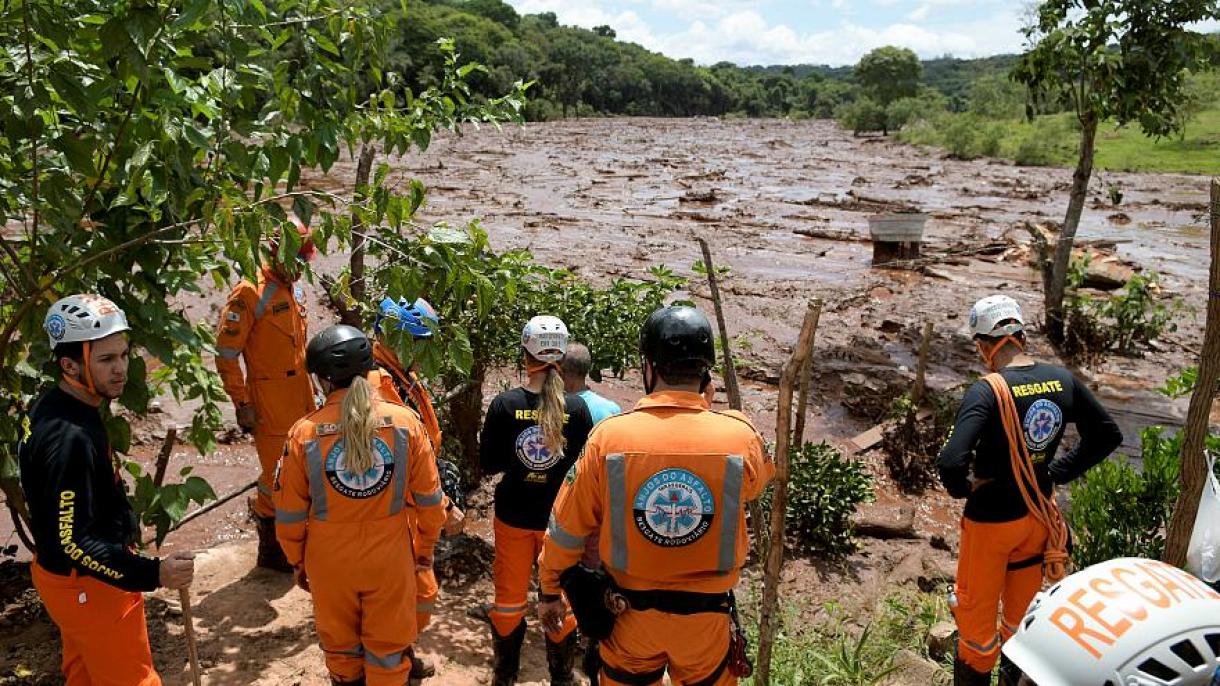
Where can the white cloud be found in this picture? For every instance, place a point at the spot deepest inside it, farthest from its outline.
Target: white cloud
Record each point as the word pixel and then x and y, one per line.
pixel 711 31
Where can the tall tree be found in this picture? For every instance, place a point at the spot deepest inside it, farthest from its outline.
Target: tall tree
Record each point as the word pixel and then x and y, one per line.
pixel 889 73
pixel 1120 60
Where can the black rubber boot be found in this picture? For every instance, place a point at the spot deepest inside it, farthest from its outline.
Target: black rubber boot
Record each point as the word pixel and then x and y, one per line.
pixel 1010 674
pixel 964 675
pixel 591 665
pixel 507 650
pixel 561 658
pixel 357 682
pixel 270 554
pixel 420 669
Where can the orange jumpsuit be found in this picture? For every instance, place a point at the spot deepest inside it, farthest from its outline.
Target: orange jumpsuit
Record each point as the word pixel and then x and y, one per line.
pixel 426 587
pixel 265 326
pixel 355 535
pixel 667 485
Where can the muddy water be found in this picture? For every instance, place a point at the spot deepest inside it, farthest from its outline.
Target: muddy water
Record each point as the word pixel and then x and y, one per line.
pixel 612 197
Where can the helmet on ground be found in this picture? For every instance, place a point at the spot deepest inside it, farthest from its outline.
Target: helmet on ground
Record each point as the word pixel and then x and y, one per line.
pixel 83 317
pixel 339 352
pixel 1125 622
pixel 412 318
pixel 677 335
pixel 545 338
pixel 996 316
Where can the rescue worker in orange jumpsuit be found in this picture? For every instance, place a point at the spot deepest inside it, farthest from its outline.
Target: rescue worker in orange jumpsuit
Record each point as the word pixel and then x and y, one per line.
pixel 1004 545
pixel 264 325
pixel 86 572
pixel 533 434
pixel 356 495
pixel 401 384
pixel 666 484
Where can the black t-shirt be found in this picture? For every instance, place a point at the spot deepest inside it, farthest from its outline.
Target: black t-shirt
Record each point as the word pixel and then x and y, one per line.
pixel 1047 399
pixel 511 442
pixel 79 509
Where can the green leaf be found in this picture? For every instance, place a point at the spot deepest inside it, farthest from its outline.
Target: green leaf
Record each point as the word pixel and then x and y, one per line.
pixel 198 490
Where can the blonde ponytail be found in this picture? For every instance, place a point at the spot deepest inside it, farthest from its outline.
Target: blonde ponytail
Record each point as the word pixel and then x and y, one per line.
pixel 550 415
pixel 358 425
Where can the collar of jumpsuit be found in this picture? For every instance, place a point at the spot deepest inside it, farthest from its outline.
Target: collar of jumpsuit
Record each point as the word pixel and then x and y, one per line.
pixel 678 399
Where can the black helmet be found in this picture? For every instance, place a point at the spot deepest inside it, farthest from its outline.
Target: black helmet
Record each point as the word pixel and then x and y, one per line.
pixel 338 353
pixel 678 336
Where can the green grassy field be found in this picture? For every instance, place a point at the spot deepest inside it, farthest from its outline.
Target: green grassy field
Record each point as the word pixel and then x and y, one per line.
pixel 1052 141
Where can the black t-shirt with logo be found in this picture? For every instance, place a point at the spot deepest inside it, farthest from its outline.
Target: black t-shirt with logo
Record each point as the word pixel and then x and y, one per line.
pixel 511 442
pixel 1047 399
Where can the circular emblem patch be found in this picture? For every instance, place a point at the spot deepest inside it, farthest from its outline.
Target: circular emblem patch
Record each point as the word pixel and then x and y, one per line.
pixel 673 508
pixel 1042 423
pixel 56 327
pixel 532 450
pixel 362 485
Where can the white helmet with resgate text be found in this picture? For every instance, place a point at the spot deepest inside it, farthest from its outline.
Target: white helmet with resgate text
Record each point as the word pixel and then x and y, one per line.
pixel 1125 622
pixel 996 316
pixel 83 317
pixel 545 338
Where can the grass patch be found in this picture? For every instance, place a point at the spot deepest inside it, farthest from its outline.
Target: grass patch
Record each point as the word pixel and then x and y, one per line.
pixel 1052 141
pixel 846 649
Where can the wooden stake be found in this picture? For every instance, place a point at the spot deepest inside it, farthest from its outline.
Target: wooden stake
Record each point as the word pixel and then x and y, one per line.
pixel 921 370
pixel 802 401
pixel 779 497
pixel 1194 462
pixel 730 371
pixel 192 649
pixel 167 449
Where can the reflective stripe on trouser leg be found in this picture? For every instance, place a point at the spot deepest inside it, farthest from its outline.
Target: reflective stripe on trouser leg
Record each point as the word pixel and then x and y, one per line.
pixel 516 552
pixel 987 548
pixel 270 449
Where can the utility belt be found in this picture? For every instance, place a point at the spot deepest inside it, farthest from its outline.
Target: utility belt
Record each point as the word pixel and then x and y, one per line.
pixel 596 601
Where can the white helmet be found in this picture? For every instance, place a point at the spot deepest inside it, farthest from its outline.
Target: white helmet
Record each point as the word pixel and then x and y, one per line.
pixel 83 317
pixel 1126 622
pixel 546 338
pixel 988 314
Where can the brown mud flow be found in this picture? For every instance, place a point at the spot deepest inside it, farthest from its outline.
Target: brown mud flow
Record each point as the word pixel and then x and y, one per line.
pixel 784 205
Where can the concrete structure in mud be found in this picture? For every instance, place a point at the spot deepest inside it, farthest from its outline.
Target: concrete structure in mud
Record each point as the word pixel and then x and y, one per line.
pixel 896 237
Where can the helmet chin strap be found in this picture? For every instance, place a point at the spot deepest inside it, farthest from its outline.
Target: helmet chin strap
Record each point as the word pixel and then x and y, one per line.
pixel 990 355
pixel 88 389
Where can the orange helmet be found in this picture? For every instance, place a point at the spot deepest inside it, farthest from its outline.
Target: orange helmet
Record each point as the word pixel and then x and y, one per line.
pixel 308 249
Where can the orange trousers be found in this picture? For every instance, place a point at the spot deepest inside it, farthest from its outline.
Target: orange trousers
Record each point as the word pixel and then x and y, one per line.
pixel 104 634
pixel 270 449
pixel 516 552
pixel 689 647
pixel 985 582
pixel 364 605
pixel 426 590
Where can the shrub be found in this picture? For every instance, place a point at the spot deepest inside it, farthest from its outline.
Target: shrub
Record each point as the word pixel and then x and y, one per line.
pixel 912 445
pixel 1122 322
pixel 1120 511
pixel 862 115
pixel 824 489
pixel 1035 150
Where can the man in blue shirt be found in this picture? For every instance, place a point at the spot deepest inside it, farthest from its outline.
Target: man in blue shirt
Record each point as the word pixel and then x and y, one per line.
pixel 576 365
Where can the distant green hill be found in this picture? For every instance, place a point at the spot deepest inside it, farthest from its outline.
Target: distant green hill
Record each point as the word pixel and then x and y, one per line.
pixel 588 72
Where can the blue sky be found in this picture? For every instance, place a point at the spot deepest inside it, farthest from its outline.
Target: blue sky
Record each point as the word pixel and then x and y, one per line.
pixel 834 32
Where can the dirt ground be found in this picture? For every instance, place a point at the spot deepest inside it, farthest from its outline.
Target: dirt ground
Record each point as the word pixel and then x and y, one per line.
pixel 612 197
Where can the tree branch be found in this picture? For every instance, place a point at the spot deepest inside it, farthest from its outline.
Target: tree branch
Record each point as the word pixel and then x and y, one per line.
pixel 29 70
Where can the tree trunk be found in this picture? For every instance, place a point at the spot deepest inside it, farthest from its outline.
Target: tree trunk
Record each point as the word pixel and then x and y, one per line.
pixel 465 415
pixel 921 369
pixel 806 383
pixel 730 370
pixel 357 286
pixel 1056 281
pixel 769 615
pixel 1194 462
